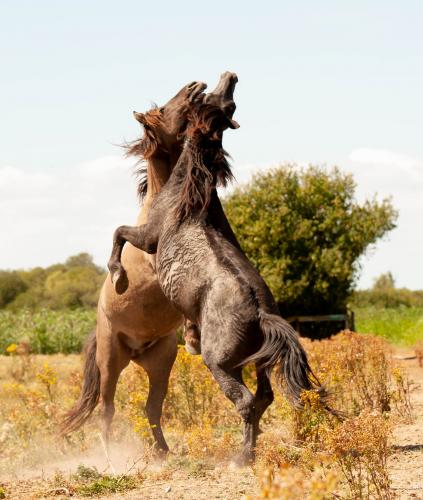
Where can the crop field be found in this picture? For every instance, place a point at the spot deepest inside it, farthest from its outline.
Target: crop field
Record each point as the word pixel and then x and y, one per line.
pixel 301 453
pixel 64 331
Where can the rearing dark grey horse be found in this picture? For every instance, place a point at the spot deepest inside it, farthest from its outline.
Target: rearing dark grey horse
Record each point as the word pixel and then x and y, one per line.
pixel 210 280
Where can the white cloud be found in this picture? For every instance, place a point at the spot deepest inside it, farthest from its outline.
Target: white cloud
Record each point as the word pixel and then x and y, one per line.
pixel 387 172
pixel 382 157
pixel 44 218
pixel 400 176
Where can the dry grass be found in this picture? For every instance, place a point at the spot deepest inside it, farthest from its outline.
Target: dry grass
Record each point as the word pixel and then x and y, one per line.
pixel 302 454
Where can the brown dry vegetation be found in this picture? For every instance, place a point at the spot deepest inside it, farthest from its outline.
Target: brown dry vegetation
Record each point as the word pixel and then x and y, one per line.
pixel 301 454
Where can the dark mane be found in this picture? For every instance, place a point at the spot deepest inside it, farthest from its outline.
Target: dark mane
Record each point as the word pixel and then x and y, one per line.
pixel 205 161
pixel 143 148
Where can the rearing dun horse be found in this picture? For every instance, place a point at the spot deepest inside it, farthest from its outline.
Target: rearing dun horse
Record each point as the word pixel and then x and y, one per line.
pixel 138 323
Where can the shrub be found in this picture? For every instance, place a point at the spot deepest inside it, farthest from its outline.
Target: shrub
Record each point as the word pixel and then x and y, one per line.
pixel 11 285
pixel 304 231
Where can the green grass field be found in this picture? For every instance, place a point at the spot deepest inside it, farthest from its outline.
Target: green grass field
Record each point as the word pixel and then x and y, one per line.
pixel 49 332
pixel 401 326
pixel 46 331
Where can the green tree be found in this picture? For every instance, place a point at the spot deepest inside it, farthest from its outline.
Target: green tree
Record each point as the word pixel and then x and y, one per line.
pixel 384 282
pixel 83 260
pixel 11 285
pixel 305 233
pixel 73 287
pixel 76 283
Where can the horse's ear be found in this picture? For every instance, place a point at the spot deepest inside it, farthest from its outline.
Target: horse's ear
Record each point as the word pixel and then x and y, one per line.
pixel 140 117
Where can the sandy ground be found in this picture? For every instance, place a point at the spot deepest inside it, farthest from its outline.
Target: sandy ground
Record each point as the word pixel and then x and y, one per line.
pixel 229 483
pixel 223 484
pixel 406 463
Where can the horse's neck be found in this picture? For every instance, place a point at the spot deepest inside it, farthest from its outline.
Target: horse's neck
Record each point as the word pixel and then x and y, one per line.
pixel 158 171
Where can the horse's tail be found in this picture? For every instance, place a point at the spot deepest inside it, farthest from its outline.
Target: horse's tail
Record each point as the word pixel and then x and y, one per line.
pixel 90 390
pixel 282 346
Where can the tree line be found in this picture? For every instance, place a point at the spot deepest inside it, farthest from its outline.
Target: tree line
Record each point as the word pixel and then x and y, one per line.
pixel 73 284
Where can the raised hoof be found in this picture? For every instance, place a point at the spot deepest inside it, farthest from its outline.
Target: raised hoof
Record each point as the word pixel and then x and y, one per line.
pixel 119 279
pixel 115 276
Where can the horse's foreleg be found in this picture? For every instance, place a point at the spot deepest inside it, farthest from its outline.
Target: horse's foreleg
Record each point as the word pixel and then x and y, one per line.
pixel 139 236
pixel 157 361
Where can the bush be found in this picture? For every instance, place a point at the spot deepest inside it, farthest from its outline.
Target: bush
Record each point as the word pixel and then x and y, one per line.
pixel 305 232
pixel 388 298
pixel 11 285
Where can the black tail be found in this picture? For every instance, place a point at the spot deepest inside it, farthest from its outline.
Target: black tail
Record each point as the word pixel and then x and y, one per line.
pixel 90 390
pixel 282 345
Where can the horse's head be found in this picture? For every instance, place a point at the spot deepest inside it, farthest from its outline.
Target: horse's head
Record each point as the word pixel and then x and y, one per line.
pixel 212 114
pixel 164 126
pixel 205 165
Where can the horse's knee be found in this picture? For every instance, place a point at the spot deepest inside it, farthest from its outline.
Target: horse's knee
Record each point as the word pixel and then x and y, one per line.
pixel 215 361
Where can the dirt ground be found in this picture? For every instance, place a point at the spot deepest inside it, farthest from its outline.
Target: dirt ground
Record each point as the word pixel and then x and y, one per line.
pixel 406 462
pixel 230 483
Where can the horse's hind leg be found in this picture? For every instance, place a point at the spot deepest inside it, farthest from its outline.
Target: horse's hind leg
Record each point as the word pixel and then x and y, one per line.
pixel 157 361
pixel 232 384
pixel 111 357
pixel 264 395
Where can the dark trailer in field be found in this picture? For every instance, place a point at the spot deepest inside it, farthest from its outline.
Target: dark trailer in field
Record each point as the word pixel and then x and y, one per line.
pixel 322 326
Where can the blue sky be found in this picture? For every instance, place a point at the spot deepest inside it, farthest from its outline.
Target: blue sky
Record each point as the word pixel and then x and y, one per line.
pixel 323 82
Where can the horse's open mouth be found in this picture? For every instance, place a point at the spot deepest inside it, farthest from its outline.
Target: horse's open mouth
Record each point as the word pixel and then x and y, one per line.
pixel 195 90
pixel 223 96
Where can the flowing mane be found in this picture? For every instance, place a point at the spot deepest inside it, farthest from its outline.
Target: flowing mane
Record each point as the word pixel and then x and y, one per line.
pixel 144 148
pixel 205 161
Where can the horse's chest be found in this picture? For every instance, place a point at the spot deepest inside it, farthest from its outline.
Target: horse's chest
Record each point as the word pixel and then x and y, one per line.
pixel 181 260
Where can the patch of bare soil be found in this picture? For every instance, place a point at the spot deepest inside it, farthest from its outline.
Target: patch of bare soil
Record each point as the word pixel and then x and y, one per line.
pixel 406 462
pixel 223 483
pixel 231 483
